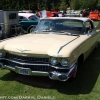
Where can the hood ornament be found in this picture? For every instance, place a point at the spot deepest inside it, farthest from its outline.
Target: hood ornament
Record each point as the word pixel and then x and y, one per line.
pixel 22 49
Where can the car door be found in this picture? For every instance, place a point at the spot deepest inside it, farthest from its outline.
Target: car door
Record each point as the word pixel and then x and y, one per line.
pixel 92 38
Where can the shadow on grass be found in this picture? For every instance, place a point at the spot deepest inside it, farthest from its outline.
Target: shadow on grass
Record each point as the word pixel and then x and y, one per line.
pixel 7 75
pixel 85 81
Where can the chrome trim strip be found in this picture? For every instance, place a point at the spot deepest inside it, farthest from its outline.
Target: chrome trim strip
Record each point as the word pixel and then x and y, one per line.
pixel 66 44
pixel 22 49
pixel 56 67
pixel 26 63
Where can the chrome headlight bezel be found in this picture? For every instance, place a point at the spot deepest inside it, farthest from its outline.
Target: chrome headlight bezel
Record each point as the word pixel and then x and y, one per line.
pixel 64 62
pixel 53 61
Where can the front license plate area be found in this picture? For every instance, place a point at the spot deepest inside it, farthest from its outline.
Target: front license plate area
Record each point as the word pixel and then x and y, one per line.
pixel 24 71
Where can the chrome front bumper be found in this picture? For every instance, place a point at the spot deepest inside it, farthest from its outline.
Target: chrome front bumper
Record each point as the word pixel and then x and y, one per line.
pixel 54 75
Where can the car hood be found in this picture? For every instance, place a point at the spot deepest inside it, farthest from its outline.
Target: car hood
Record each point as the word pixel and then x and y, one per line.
pixel 37 43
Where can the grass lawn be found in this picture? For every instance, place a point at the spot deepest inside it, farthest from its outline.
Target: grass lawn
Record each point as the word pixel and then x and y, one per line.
pixel 96 23
pixel 86 86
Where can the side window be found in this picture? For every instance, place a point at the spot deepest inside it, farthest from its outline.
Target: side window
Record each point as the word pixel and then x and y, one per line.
pixel 22 18
pixel 12 16
pixel 33 17
pixel 89 26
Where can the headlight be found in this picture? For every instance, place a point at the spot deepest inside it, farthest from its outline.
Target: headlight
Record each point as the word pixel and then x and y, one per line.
pixel 64 62
pixel 60 61
pixel 53 61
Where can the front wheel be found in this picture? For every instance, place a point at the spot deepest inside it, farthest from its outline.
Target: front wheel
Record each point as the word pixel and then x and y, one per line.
pixel 31 29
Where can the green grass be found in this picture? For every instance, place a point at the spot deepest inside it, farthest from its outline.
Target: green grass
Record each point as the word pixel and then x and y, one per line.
pixel 86 86
pixel 96 23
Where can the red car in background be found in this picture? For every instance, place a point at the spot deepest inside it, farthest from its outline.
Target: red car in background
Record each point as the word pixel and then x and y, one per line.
pixel 94 15
pixel 49 14
pixel 52 13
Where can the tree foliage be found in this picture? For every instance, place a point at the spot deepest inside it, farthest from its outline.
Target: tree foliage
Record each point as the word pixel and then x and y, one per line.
pixel 63 5
pixel 49 4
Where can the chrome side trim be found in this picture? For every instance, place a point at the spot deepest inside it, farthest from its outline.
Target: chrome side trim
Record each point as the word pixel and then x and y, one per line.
pixel 66 44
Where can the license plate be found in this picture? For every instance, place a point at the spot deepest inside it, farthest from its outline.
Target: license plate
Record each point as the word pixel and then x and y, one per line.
pixel 24 71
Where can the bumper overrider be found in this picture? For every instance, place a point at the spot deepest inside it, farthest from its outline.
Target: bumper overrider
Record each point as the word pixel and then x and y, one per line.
pixel 53 72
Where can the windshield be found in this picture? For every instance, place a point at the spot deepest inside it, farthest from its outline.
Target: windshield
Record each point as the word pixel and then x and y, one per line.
pixel 60 25
pixel 33 17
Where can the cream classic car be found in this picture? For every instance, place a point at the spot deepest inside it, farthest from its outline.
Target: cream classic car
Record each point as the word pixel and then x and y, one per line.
pixel 55 49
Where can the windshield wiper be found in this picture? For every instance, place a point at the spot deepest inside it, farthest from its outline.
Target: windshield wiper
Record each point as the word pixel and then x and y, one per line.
pixel 75 35
pixel 67 33
pixel 64 33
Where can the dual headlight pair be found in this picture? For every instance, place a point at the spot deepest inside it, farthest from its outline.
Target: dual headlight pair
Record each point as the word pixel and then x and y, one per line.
pixel 61 61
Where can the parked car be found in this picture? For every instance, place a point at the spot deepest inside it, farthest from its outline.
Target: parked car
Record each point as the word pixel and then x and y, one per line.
pixel 72 14
pixel 56 48
pixel 28 21
pixel 94 15
pixel 49 14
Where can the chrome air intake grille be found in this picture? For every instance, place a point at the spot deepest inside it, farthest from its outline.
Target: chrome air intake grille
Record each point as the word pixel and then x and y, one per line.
pixel 34 63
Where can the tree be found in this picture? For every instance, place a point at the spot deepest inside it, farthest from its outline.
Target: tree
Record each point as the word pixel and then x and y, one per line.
pixel 63 5
pixel 98 4
pixel 49 4
pixel 85 4
pixel 75 4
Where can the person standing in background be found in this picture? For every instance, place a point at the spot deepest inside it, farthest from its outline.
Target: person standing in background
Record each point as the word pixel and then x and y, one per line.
pixel 43 13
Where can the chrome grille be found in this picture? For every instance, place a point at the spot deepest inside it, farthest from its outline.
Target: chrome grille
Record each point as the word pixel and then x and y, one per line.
pixel 32 67
pixel 34 63
pixel 24 59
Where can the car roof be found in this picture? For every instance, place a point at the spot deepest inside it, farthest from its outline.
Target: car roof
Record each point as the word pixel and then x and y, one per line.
pixel 76 18
pixel 26 14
